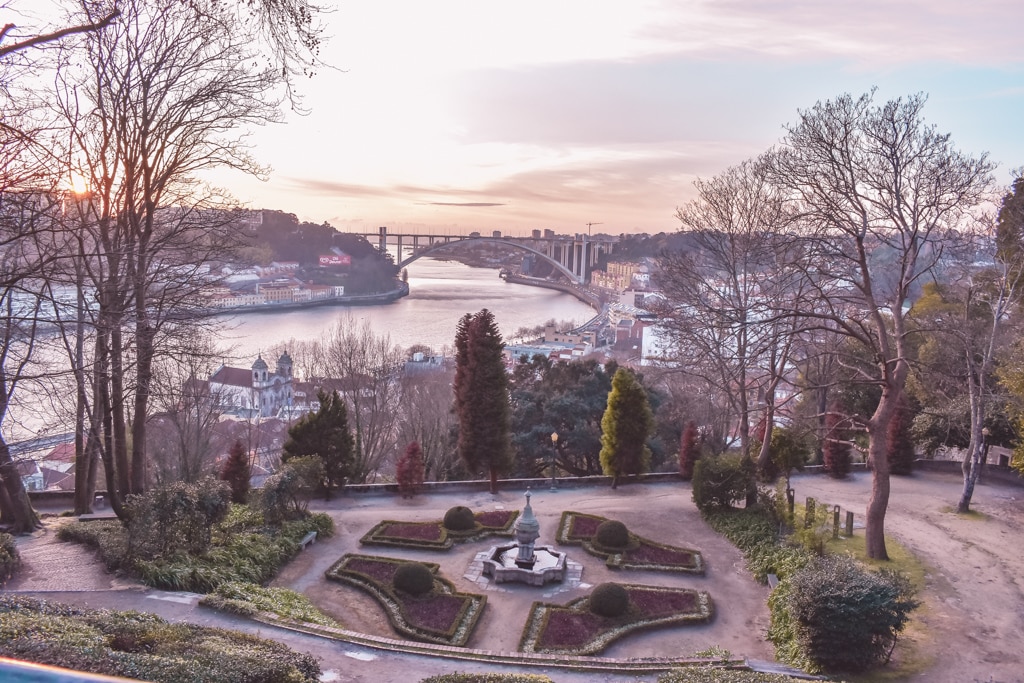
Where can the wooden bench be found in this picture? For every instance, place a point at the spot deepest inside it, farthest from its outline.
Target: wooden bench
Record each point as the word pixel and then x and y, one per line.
pixel 307 539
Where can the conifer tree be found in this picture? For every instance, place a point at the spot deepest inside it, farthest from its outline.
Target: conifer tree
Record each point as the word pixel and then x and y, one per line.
pixel 689 451
pixel 236 472
pixel 626 424
pixel 481 396
pixel 409 470
pixel 326 435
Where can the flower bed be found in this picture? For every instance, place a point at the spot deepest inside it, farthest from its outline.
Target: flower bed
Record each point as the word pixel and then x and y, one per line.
pixel 433 535
pixel 574 629
pixel 442 616
pixel 576 528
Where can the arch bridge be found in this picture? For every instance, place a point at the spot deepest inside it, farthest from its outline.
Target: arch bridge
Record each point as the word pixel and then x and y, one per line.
pixel 573 256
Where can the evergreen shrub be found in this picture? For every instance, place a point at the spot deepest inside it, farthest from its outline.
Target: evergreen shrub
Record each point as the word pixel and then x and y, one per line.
pixel 609 600
pixel 720 481
pixel 459 518
pixel 612 534
pixel 413 578
pixel 833 615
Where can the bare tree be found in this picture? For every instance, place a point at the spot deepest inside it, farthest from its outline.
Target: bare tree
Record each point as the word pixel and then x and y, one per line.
pixel 728 302
pixel 879 193
pixel 188 410
pixel 165 94
pixel 425 416
pixel 367 369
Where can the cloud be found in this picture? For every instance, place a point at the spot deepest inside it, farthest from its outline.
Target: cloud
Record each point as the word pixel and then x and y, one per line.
pixel 472 204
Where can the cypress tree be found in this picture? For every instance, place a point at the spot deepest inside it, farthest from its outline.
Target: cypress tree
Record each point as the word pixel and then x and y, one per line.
pixel 236 472
pixel 689 451
pixel 326 435
pixel 409 470
pixel 626 424
pixel 481 396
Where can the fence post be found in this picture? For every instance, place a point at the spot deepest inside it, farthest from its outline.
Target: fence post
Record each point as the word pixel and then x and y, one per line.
pixel 849 523
pixel 835 522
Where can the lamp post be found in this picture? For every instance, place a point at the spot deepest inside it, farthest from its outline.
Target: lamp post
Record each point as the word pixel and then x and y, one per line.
pixel 554 455
pixel 984 446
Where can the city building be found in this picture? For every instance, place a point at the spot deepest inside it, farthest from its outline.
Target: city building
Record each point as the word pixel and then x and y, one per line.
pixel 257 389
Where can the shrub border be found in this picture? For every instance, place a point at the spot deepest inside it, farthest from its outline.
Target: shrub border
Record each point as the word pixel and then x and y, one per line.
pixel 457 634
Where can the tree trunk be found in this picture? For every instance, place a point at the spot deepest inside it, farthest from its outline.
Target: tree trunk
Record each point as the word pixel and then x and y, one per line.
pixel 878 460
pixel 25 520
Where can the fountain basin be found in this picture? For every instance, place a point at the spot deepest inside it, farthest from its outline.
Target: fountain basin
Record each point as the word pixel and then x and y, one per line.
pixel 503 565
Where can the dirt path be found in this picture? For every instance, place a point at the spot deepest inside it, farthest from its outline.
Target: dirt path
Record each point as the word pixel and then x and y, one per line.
pixel 970 627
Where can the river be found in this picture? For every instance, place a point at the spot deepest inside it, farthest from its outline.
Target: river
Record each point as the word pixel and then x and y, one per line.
pixel 440 292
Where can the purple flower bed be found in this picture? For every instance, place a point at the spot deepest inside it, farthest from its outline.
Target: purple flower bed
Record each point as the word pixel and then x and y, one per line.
pixel 435 613
pixel 443 616
pixel 653 604
pixel 583 527
pixel 433 536
pixel 426 531
pixel 496 519
pixel 579 529
pixel 653 554
pixel 574 629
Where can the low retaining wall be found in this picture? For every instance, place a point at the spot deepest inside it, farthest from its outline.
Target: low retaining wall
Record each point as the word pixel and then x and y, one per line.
pixel 990 474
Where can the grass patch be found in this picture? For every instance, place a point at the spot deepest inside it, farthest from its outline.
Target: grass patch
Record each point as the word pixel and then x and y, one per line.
pixel 972 514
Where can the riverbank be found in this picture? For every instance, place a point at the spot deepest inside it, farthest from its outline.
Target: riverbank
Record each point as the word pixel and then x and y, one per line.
pixel 345 300
pixel 583 295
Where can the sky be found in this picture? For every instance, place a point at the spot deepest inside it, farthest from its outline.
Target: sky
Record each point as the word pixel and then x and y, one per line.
pixel 456 115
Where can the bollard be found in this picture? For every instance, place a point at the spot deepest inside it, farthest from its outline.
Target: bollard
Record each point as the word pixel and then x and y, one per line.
pixel 849 523
pixel 835 522
pixel 791 499
pixel 809 512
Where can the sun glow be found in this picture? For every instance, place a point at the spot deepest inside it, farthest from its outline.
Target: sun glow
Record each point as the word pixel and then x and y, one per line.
pixel 79 183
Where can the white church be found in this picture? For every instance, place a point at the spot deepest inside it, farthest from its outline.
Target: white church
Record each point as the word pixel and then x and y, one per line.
pixel 256 390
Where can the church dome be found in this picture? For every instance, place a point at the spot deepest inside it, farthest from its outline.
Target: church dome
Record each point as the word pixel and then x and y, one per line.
pixel 259 364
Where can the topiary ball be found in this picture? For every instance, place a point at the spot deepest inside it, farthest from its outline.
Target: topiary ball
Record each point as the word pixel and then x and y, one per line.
pixel 459 518
pixel 612 534
pixel 413 578
pixel 609 600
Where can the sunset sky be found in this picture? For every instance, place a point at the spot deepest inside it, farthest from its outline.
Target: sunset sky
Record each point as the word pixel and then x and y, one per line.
pixel 456 115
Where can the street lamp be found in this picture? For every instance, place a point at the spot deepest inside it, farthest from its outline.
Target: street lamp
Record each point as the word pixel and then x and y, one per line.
pixel 554 454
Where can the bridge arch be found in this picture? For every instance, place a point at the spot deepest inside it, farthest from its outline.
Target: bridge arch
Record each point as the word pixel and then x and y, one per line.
pixel 439 246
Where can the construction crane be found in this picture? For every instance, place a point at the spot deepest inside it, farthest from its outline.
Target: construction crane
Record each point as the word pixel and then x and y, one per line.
pixel 590 225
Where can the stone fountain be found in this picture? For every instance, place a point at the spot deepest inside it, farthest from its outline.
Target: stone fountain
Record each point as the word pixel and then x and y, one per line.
pixel 523 561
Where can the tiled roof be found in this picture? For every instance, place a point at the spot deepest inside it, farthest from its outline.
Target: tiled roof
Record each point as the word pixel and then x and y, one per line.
pixel 235 377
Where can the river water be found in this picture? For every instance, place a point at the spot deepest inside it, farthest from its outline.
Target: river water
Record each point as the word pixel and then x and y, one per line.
pixel 440 293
